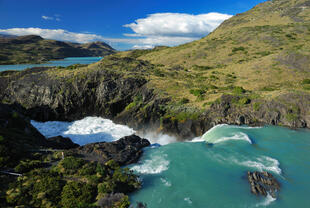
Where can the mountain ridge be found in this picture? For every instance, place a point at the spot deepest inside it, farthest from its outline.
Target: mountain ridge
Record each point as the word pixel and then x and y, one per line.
pixel 35 49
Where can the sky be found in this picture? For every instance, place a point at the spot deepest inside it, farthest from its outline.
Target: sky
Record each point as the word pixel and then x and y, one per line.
pixel 124 24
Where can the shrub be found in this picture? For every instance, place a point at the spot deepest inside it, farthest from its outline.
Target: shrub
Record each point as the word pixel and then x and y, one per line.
pixel 238 90
pixel 244 101
pixel 263 53
pixel 306 81
pixel 27 165
pixel 256 106
pixel 88 169
pixel 184 101
pixel 197 92
pixel 238 49
pixel 76 194
pixel 202 68
pixel 267 88
pixel 291 117
pixel 72 164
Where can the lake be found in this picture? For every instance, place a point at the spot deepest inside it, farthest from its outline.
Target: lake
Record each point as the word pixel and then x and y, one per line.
pixel 63 62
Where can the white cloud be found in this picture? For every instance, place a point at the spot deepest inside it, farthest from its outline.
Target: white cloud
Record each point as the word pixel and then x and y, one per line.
pixel 55 34
pixel 142 47
pixel 47 17
pixel 168 29
pixel 55 17
pixel 177 24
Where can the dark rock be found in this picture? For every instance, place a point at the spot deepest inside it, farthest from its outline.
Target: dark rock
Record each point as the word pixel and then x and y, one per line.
pixel 17 137
pixel 263 183
pixel 124 151
pixel 109 200
pixel 60 142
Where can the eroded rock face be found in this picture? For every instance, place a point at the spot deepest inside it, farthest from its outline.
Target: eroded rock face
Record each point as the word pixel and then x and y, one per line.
pixel 124 151
pixel 263 183
pixel 129 100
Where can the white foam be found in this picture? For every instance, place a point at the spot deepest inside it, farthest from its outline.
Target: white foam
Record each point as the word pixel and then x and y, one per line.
pixel 213 136
pixel 197 139
pixel 165 182
pixel 162 139
pixel 262 163
pixel 238 136
pixel 155 165
pixel 213 128
pixel 87 130
pixel 95 129
pixel 188 200
pixel 268 200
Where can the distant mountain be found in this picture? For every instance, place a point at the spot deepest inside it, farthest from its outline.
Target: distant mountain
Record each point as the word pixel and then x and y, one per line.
pixel 35 49
pixel 7 36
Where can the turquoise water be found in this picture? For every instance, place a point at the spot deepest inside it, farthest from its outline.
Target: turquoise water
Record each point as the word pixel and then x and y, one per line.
pixel 195 174
pixel 63 62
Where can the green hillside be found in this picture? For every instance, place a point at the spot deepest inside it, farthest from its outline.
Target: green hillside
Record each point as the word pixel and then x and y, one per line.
pixel 265 50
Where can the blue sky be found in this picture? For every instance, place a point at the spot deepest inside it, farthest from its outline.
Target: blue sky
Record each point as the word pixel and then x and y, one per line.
pixel 124 23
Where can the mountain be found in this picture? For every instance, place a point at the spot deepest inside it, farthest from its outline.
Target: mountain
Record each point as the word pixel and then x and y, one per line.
pixel 254 69
pixel 35 49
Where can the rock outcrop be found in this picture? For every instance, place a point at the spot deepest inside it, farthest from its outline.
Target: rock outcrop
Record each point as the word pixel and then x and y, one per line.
pixel 124 151
pixel 60 142
pixel 263 183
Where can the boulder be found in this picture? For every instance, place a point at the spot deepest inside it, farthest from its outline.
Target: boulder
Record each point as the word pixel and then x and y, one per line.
pixel 124 151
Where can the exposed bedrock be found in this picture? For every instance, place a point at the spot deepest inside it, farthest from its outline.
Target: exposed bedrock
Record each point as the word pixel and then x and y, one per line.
pixel 124 151
pixel 44 95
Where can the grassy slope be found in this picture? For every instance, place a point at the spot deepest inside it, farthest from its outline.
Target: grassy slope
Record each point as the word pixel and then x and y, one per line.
pixel 265 50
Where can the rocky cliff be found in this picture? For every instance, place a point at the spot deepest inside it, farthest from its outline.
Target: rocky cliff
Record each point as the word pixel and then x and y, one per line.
pixel 126 97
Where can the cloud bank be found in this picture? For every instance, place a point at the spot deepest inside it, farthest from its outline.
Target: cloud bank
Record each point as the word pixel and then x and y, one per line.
pixel 177 24
pixel 168 29
pixel 55 34
pixel 174 28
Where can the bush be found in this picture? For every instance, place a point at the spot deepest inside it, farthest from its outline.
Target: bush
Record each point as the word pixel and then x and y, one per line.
pixel 202 68
pixel 268 89
pixel 306 81
pixel 72 164
pixel 256 106
pixel 76 194
pixel 197 92
pixel 184 101
pixel 238 49
pixel 27 165
pixel 88 169
pixel 40 188
pixel 244 101
pixel 238 90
